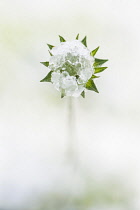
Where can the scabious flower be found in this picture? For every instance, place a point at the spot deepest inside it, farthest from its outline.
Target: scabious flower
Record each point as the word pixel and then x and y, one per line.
pixel 72 67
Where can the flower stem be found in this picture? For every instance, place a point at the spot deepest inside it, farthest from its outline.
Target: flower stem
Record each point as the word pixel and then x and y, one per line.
pixel 71 150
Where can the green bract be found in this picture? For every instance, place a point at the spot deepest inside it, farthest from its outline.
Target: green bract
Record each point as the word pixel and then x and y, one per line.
pixel 73 67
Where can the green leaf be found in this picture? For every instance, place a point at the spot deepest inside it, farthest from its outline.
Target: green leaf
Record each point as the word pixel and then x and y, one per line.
pixel 83 94
pixel 91 86
pixel 99 62
pixel 77 37
pixel 94 51
pixel 45 63
pixel 61 39
pixel 50 53
pixel 47 78
pixel 50 46
pixel 94 76
pixel 99 69
pixel 84 41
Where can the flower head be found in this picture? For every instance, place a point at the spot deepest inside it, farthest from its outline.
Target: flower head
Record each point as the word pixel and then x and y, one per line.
pixel 72 67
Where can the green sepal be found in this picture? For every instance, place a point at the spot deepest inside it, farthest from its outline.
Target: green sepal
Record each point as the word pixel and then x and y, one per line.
pixel 50 53
pixel 93 52
pixel 94 76
pixel 45 63
pixel 83 94
pixel 47 78
pixel 50 46
pixel 99 69
pixel 90 85
pixel 62 93
pixel 61 39
pixel 99 62
pixel 84 41
pixel 77 37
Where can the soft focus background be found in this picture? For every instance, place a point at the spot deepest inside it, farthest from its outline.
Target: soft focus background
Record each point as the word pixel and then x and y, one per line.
pixel 35 173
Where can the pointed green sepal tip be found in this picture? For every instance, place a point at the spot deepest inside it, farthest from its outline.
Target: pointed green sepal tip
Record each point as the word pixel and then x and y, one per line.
pixel 90 85
pixel 99 62
pixel 50 46
pixel 50 53
pixel 62 93
pixel 83 94
pixel 99 69
pixel 61 39
pixel 93 52
pixel 45 63
pixel 77 37
pixel 47 78
pixel 94 77
pixel 84 41
pixel 62 96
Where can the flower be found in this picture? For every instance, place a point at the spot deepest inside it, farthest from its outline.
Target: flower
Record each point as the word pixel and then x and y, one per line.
pixel 72 67
pixel 71 64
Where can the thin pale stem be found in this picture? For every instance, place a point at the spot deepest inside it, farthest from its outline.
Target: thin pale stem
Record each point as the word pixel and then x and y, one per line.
pixel 71 131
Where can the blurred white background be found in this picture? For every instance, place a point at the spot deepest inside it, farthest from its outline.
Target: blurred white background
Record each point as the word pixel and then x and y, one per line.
pixel 33 117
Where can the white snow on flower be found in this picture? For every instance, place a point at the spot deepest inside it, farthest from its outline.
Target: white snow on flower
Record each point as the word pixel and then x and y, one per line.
pixel 72 67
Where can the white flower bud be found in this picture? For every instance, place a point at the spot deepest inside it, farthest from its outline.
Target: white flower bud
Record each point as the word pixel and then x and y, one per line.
pixel 73 67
